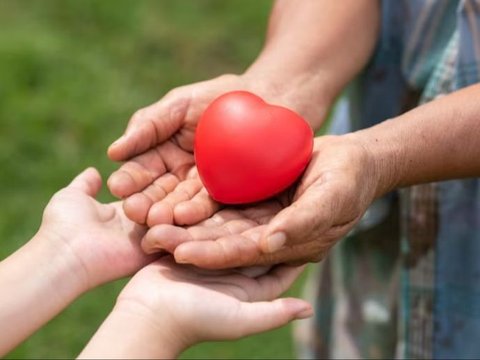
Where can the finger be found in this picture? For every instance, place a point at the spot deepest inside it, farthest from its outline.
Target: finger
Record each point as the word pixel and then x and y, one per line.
pixel 164 237
pixel 271 282
pixel 151 126
pixel 243 250
pixel 169 237
pixel 162 212
pixel 227 252
pixel 137 206
pixel 212 254
pixel 306 218
pixel 277 281
pixel 141 171
pixel 136 174
pixel 257 317
pixel 253 271
pixel 89 182
pixel 198 208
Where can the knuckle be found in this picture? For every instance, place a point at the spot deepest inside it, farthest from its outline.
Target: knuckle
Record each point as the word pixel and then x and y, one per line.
pixel 139 115
pixel 227 77
pixel 175 92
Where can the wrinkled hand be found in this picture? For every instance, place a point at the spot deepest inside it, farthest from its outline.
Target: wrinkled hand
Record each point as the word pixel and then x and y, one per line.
pixel 295 227
pixel 198 305
pixel 98 241
pixel 159 179
pixel 160 174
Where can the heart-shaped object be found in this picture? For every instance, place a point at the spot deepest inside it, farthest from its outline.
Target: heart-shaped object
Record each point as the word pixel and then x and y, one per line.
pixel 247 150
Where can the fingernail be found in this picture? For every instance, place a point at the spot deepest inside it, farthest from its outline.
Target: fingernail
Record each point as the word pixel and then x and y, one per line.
pixel 276 241
pixel 305 313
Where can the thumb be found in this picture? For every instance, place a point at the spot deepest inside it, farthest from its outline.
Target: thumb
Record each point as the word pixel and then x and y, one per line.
pixel 89 182
pixel 151 126
pixel 311 212
pixel 257 317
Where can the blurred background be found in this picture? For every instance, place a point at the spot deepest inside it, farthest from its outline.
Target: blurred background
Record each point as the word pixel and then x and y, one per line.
pixel 71 74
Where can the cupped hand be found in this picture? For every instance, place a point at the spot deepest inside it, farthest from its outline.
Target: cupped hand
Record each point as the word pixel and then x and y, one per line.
pixel 160 174
pixel 198 305
pixel 159 180
pixel 98 241
pixel 296 227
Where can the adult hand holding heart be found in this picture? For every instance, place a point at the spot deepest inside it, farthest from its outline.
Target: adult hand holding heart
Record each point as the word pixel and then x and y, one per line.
pixel 159 179
pixel 247 150
pixel 295 226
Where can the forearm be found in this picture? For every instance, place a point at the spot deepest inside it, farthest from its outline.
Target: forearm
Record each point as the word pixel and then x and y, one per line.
pixel 131 335
pixel 33 290
pixel 316 47
pixel 436 141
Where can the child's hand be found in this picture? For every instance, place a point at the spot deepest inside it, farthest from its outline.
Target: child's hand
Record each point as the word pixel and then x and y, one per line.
pixel 167 307
pixel 80 244
pixel 159 179
pixel 98 240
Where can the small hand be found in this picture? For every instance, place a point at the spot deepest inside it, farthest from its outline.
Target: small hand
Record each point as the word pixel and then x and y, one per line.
pixel 196 305
pixel 98 240
pixel 330 198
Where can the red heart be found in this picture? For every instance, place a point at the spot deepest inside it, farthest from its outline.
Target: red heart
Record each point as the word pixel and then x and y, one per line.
pixel 247 150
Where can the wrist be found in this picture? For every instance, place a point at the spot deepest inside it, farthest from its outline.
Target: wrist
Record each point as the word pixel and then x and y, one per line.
pixel 136 334
pixel 62 266
pixel 36 285
pixel 302 89
pixel 384 160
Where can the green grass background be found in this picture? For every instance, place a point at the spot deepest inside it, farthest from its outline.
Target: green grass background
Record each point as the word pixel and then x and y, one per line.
pixel 71 74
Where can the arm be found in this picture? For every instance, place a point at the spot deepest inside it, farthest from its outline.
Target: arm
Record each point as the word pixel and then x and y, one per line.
pixel 80 244
pixel 34 290
pixel 434 142
pixel 316 48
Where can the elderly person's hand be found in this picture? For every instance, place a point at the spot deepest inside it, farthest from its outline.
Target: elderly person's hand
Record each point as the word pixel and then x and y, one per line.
pixel 160 173
pixel 312 50
pixel 434 142
pixel 298 226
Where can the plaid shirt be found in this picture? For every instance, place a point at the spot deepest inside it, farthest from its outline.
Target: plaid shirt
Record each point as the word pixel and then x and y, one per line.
pixel 406 283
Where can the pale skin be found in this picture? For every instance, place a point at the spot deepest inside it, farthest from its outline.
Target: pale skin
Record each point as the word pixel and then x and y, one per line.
pixel 433 142
pixel 82 243
pixel 167 307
